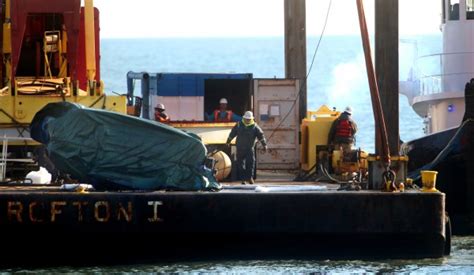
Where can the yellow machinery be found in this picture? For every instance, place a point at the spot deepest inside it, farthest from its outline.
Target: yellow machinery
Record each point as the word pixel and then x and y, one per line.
pixel 23 95
pixel 314 135
pixel 317 156
pixel 50 57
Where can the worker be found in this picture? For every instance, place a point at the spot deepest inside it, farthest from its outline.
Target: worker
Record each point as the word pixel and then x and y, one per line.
pixel 342 132
pixel 223 114
pixel 160 114
pixel 246 132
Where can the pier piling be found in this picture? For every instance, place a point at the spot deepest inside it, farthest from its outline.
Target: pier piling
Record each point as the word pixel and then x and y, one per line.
pixel 386 66
pixel 295 47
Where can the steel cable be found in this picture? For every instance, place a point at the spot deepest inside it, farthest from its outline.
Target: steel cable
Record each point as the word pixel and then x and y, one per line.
pixel 303 84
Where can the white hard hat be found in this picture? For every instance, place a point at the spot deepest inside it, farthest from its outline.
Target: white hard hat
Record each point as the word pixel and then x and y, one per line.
pixel 160 106
pixel 248 115
pixel 348 110
pixel 223 101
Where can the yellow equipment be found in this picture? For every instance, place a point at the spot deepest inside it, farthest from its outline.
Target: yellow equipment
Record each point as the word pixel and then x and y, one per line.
pixel 36 69
pixel 316 152
pixel 314 135
pixel 353 161
pixel 24 95
pixel 428 179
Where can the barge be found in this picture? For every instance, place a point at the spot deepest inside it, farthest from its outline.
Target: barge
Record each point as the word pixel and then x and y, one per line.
pixel 237 223
pixel 275 219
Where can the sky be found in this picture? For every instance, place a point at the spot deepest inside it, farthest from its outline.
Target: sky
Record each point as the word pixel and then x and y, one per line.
pixel 249 18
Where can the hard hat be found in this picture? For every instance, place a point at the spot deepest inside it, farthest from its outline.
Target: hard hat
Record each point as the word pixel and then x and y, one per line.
pixel 248 115
pixel 223 101
pixel 160 106
pixel 348 110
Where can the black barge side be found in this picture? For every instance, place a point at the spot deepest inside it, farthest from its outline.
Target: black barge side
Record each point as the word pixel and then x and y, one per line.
pixel 41 225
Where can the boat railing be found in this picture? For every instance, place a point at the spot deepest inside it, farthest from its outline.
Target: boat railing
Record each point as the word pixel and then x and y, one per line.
pixel 441 71
pixel 4 157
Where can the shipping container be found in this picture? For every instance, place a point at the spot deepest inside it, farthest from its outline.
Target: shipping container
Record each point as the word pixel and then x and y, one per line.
pixel 190 97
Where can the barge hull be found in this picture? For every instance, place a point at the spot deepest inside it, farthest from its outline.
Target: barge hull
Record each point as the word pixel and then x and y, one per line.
pixel 231 223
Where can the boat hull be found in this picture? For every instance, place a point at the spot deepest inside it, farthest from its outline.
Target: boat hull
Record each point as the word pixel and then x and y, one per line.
pixel 232 223
pixel 451 153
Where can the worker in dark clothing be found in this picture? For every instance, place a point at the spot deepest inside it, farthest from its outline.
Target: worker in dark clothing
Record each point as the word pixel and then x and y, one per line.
pixel 342 132
pixel 160 114
pixel 246 132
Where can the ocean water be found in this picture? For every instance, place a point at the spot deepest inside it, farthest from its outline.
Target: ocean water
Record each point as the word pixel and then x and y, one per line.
pixel 337 79
pixel 461 261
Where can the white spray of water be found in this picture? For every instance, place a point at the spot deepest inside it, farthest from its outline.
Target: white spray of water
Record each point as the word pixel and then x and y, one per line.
pixel 349 85
pixel 350 88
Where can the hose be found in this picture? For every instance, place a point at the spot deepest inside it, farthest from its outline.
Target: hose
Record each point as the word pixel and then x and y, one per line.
pixel 381 129
pixel 415 175
pixel 303 83
pixel 305 175
pixel 326 173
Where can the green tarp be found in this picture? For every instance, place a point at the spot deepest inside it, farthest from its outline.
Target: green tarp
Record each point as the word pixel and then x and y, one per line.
pixel 115 151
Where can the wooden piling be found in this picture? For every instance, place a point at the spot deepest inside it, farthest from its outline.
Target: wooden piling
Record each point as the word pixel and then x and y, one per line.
pixel 386 66
pixel 295 47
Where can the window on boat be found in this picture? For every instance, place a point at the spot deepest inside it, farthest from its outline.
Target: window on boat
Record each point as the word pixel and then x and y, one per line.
pixel 453 9
pixel 469 9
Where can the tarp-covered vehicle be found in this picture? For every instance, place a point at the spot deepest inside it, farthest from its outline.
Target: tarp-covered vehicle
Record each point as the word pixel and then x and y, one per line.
pixel 112 151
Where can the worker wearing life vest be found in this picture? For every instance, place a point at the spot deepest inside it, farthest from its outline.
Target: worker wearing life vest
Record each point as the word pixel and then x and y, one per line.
pixel 223 114
pixel 343 130
pixel 160 114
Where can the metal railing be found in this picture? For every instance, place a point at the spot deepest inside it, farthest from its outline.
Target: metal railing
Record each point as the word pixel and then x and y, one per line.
pixel 432 73
pixel 4 157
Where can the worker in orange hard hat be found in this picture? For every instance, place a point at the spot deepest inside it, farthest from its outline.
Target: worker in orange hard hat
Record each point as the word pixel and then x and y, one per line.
pixel 160 114
pixel 223 114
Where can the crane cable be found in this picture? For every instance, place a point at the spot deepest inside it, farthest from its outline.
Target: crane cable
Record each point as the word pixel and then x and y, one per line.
pixel 303 84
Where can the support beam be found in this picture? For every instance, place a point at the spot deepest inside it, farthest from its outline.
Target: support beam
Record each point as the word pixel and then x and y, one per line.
pixel 386 66
pixel 295 47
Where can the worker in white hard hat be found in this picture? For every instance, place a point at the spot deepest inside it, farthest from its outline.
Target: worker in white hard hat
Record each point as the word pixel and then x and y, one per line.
pixel 342 132
pixel 223 114
pixel 160 114
pixel 246 131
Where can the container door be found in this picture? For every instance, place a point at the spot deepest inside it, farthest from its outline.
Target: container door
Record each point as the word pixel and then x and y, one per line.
pixel 276 110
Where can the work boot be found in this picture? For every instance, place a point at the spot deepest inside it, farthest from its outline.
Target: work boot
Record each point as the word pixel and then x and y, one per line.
pixel 251 181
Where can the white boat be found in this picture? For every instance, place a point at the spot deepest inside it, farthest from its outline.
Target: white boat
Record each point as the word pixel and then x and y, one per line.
pixel 435 86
